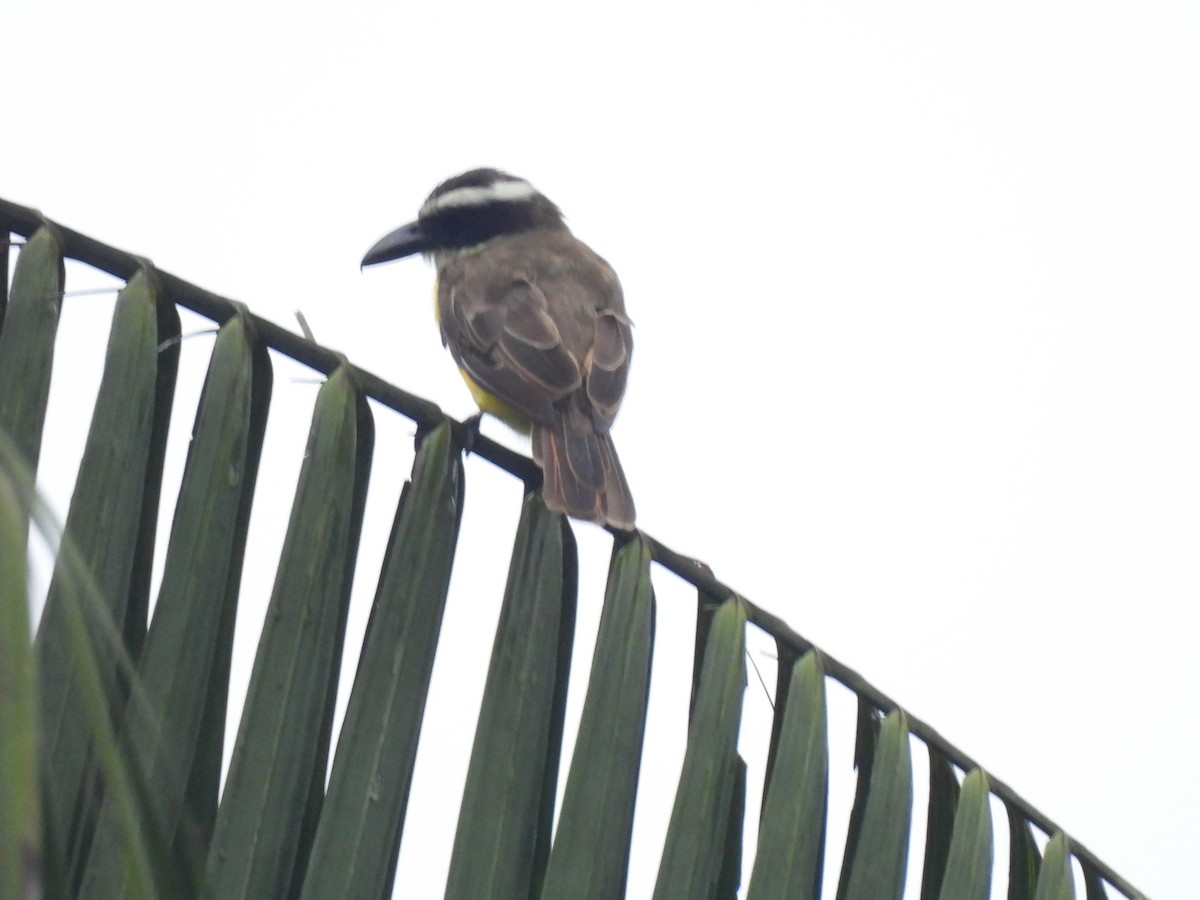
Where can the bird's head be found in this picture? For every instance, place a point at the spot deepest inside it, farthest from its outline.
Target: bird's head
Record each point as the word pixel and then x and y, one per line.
pixel 465 212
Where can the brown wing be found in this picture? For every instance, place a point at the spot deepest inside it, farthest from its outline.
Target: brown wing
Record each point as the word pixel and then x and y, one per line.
pixel 606 366
pixel 535 317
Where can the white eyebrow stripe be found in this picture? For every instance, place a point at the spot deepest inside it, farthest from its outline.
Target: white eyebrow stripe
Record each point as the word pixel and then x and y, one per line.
pixel 497 191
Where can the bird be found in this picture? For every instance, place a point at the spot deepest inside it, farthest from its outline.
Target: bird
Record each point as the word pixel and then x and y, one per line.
pixel 536 322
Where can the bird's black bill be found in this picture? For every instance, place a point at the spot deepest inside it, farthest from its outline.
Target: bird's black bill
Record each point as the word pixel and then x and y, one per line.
pixel 404 241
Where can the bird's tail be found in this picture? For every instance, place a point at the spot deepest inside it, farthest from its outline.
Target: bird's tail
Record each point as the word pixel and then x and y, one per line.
pixel 582 475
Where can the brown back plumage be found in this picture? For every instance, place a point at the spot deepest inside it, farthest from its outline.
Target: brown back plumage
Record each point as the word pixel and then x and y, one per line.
pixel 538 320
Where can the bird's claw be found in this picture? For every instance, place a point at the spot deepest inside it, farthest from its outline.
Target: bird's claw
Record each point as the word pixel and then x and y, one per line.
pixel 471 431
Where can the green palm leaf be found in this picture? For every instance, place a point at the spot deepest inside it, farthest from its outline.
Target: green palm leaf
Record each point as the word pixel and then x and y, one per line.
pixel 695 846
pixel 274 789
pixel 122 799
pixel 591 847
pixel 503 836
pixel 355 847
pixel 792 830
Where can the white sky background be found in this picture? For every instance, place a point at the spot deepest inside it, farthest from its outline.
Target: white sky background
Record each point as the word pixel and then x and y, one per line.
pixel 917 310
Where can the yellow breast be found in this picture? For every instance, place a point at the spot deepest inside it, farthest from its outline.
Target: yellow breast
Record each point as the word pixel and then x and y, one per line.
pixel 494 406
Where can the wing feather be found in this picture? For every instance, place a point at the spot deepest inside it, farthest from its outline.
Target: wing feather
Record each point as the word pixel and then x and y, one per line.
pixel 606 368
pixel 535 318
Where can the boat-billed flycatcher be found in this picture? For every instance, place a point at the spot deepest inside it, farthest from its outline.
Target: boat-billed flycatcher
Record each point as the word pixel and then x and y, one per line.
pixel 536 322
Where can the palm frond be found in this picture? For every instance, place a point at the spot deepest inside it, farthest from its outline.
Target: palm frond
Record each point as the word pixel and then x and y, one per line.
pixel 123 800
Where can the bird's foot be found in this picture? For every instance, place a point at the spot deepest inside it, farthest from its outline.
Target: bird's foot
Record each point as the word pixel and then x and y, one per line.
pixel 471 431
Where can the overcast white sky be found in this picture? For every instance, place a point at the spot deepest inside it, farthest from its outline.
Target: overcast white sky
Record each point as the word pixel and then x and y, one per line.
pixel 916 297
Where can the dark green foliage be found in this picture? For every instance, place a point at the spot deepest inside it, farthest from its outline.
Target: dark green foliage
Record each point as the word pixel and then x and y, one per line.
pixel 359 832
pixel 939 823
pixel 20 810
pixel 1024 861
pixel 122 798
pixel 877 868
pixel 184 668
pixel 27 331
pixel 591 845
pixel 1055 881
pixel 697 836
pixel 107 539
pixel 273 793
pixel 968 872
pixel 792 831
pixel 503 835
